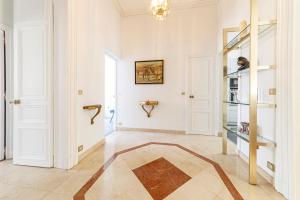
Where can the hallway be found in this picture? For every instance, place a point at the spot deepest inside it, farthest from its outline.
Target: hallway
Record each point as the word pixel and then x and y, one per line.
pixel 121 178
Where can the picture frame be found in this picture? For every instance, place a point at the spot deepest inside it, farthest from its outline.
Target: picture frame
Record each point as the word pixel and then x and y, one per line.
pixel 149 72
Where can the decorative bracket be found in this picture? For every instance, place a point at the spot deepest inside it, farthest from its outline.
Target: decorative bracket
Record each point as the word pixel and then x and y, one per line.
pixel 93 107
pixel 151 104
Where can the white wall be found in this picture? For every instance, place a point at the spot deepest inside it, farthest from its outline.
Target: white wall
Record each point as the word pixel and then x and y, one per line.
pixel 6 12
pixel 296 101
pixel 98 30
pixel 184 34
pixel 65 154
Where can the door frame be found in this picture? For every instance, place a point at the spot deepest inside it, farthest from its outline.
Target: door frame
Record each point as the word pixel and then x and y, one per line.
pixel 9 90
pixel 114 57
pixel 213 129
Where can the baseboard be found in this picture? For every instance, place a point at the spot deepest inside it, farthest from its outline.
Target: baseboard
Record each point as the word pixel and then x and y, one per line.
pixel 89 151
pixel 260 171
pixel 150 130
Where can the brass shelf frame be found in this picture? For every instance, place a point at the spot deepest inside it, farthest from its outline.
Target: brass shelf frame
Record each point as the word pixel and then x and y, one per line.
pixel 93 107
pixel 251 33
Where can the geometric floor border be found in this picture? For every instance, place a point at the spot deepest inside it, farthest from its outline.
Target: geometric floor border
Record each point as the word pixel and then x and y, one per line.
pixel 80 195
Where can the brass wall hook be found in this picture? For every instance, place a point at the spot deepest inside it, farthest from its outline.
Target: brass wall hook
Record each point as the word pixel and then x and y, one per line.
pixel 93 107
pixel 151 104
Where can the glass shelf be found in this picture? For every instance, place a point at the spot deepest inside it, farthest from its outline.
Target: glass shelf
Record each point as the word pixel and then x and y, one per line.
pixel 259 105
pixel 245 34
pixel 236 103
pixel 261 141
pixel 245 71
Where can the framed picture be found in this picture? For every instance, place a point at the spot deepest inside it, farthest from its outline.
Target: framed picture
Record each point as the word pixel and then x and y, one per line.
pixel 149 72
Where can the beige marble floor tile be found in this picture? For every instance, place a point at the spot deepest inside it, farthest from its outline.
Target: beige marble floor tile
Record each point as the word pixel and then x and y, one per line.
pixel 55 196
pixel 119 182
pixel 191 191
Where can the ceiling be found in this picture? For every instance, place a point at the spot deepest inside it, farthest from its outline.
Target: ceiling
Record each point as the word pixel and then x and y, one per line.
pixel 136 7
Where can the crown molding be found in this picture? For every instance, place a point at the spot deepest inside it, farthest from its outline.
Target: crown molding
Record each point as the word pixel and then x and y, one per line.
pixel 177 7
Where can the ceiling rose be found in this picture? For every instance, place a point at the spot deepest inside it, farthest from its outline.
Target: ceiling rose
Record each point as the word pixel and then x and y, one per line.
pixel 160 9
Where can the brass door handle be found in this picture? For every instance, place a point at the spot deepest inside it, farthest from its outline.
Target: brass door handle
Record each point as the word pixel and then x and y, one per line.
pixel 16 102
pixel 192 97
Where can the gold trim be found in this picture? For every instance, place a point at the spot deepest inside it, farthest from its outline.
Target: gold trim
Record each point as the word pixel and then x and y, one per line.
pixel 266 67
pixel 266 105
pixel 267 145
pixel 225 87
pixel 253 92
pixel 268 22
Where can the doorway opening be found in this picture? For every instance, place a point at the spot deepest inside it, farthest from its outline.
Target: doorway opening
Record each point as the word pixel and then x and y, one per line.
pixel 2 95
pixel 110 94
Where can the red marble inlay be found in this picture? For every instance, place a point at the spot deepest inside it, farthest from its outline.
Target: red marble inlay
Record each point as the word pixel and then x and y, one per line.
pixel 80 195
pixel 161 178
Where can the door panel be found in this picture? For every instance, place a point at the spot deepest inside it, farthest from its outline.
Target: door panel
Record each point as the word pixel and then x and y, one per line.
pixel 33 123
pixel 2 101
pixel 199 99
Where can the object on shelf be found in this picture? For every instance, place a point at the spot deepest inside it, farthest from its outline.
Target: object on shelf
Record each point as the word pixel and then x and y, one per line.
pixel 243 63
pixel 244 129
pixel 234 83
pixel 93 107
pixel 150 104
pixel 233 95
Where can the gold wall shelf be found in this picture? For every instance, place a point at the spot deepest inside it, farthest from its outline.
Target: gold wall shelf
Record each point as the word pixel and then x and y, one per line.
pixel 93 107
pixel 150 104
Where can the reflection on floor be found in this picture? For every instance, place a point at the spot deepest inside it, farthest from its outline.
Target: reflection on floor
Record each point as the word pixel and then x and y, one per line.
pixel 127 175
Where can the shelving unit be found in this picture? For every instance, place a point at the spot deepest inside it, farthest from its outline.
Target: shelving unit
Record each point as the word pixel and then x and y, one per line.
pixel 248 35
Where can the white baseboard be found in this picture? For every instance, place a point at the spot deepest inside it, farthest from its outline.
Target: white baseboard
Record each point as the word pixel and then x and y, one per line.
pixel 89 151
pixel 150 130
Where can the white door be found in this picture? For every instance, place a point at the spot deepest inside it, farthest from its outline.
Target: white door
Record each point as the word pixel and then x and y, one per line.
pixel 33 92
pixel 2 100
pixel 199 96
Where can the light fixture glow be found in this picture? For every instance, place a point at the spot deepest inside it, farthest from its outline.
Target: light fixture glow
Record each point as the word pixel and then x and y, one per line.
pixel 160 9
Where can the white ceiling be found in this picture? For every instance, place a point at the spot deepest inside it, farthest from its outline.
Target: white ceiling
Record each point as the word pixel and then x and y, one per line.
pixel 135 7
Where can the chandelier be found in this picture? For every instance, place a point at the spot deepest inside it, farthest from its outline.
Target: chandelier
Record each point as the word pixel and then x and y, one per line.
pixel 160 9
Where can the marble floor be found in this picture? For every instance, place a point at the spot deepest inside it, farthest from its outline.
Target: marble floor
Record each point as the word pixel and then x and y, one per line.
pixel 141 166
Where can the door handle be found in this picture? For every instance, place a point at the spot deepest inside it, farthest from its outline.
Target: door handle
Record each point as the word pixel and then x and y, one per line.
pixel 192 96
pixel 16 102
